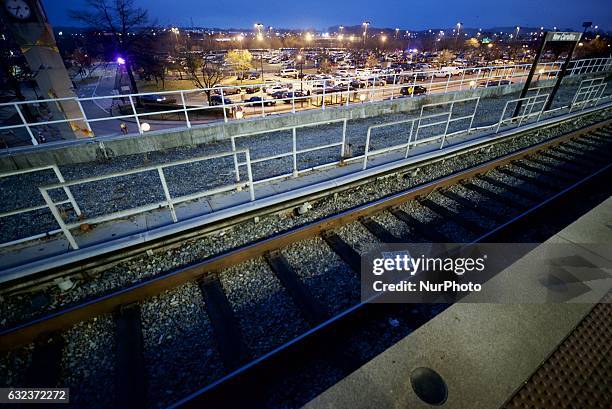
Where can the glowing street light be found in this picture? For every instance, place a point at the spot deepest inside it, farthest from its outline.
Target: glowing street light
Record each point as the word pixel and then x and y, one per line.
pixel 308 37
pixel 365 31
pixel 120 60
pixel 396 32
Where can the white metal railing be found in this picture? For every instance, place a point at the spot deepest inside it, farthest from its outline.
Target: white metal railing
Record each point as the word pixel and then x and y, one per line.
pixel 14 212
pixel 590 91
pixel 169 202
pixel 445 122
pixel 368 152
pixel 527 105
pixel 357 89
pixel 529 110
pixel 294 150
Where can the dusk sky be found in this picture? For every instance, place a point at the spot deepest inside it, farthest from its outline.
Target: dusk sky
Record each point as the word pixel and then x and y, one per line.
pixel 320 14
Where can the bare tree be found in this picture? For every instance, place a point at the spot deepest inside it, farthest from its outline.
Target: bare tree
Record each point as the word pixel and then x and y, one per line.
pixel 120 18
pixel 203 73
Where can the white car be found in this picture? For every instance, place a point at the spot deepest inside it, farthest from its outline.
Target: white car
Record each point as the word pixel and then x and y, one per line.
pixel 277 88
pixel 289 73
pixel 447 72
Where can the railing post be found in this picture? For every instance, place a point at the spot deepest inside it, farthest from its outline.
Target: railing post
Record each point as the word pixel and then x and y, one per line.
pixel 473 115
pixel 67 190
pixel 185 109
pixel 78 101
pixel 294 151
pixel 367 149
pixel 450 114
pixel 393 87
pixel 58 218
pixel 250 175
pixel 343 147
pixel 323 101
pixel 462 79
pixel 135 114
pixel 160 170
pixel 25 123
pixel 409 138
pixel 223 105
pixel 235 155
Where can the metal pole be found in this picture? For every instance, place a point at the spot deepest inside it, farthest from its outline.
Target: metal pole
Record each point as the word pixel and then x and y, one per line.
pixel 551 97
pixel 185 109
pixel 25 123
pixel 530 75
pixel 162 178
pixel 294 151
pixel 135 114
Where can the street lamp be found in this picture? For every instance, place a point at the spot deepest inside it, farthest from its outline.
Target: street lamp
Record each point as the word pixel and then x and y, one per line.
pixel 365 31
pixel 300 59
pixel 517 32
pixel 396 33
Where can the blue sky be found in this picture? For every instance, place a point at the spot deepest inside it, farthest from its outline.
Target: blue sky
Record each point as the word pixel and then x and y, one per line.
pixel 321 14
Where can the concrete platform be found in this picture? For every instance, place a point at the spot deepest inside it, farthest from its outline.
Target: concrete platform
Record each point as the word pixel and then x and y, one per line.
pixel 485 352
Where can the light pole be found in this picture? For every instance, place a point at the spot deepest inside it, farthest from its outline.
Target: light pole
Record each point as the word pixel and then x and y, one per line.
pixel 300 59
pixel 396 33
pixel 365 32
pixel 517 32
pixel 458 30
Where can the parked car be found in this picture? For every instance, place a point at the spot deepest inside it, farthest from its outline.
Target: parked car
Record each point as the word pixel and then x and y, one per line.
pixel 413 90
pixel 289 73
pixel 156 99
pixel 226 90
pixel 299 96
pixel 276 88
pixel 256 100
pixel 252 89
pixel 218 100
pixel 494 83
pixel 447 72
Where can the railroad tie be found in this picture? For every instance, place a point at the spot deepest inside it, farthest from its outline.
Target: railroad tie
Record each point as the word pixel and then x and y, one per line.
pixel 533 180
pixel 510 188
pixel 312 310
pixel 46 363
pixel 497 197
pixel 549 171
pixel 454 216
pixel 379 231
pixel 226 330
pixel 344 250
pixel 130 373
pixel 422 229
pixel 468 204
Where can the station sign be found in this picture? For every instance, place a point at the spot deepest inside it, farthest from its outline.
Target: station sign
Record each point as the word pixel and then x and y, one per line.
pixel 563 36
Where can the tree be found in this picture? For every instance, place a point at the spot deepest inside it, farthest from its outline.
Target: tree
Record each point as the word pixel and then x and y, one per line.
pixel 203 73
pixel 472 43
pixel 240 60
pixel 371 61
pixel 123 21
pixel 446 56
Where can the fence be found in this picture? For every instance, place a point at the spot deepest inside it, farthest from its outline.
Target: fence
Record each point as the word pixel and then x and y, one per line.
pixel 169 201
pixel 445 122
pixel 28 209
pixel 368 87
pixel 294 151
pixel 590 91
pixel 527 105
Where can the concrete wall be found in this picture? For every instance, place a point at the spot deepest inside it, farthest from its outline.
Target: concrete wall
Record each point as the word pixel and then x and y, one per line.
pixel 70 152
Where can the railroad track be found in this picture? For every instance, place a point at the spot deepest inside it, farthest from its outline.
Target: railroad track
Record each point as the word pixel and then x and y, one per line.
pixel 489 202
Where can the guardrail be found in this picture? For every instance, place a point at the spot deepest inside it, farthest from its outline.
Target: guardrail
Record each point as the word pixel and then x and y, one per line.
pixel 590 92
pixel 28 209
pixel 294 150
pixel 169 201
pixel 532 107
pixel 355 89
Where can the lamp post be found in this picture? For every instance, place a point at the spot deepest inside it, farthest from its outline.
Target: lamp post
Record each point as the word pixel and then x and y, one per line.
pixel 365 32
pixel 300 59
pixel 458 30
